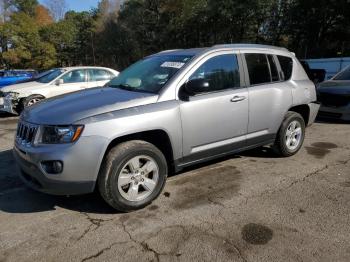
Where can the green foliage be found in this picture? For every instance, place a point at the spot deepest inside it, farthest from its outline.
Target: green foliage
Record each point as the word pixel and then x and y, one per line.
pixel 117 37
pixel 23 47
pixel 25 6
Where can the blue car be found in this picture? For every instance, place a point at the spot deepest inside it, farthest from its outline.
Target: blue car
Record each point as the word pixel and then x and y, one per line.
pixel 11 77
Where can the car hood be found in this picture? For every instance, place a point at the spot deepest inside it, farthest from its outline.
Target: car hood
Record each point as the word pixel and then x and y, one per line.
pixel 23 87
pixel 335 87
pixel 70 108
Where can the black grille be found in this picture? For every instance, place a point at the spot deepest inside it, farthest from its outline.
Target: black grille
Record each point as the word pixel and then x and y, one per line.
pixel 26 133
pixel 333 100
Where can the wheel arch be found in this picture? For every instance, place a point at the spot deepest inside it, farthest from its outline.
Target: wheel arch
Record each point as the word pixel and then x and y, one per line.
pixel 303 110
pixel 31 95
pixel 157 137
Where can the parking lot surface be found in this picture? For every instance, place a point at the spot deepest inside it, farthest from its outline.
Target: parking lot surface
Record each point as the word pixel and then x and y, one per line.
pixel 249 207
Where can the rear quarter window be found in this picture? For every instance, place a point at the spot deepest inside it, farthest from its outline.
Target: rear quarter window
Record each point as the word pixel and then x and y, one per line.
pixel 286 64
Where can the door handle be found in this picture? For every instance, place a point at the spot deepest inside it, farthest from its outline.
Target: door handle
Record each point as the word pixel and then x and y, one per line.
pixel 238 98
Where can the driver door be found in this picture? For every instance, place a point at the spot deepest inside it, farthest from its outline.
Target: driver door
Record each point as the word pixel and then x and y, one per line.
pixel 215 121
pixel 72 81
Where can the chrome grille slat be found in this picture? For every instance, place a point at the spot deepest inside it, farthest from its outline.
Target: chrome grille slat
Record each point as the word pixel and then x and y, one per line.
pixel 26 133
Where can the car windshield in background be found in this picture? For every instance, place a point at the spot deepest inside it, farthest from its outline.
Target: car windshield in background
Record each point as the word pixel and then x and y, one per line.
pixel 40 75
pixel 345 75
pixel 51 76
pixel 150 74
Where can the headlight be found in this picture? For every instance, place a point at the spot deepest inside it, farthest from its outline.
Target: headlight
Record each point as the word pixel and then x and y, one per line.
pixel 59 134
pixel 11 95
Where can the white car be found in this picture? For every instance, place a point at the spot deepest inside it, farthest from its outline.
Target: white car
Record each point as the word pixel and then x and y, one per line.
pixel 14 98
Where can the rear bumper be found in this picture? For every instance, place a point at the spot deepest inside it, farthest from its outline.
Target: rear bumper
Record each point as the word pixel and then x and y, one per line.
pixel 314 108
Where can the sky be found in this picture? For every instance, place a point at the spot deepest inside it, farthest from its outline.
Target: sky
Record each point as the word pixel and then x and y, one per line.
pixel 79 5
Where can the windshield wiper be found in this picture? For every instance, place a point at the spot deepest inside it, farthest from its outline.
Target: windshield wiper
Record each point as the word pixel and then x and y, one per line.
pixel 122 86
pixel 130 88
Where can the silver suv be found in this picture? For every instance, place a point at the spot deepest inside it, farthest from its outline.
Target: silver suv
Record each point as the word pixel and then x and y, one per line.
pixel 163 113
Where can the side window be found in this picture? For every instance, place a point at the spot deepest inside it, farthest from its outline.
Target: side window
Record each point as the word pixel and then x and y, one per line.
pixel 222 72
pixel 286 66
pixel 273 68
pixel 75 76
pixel 99 75
pixel 258 68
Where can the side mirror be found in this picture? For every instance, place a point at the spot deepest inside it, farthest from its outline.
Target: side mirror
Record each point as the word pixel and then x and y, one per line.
pixel 59 82
pixel 196 86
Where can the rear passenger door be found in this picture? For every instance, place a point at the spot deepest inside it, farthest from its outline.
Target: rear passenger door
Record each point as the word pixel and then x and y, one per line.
pixel 269 96
pixel 98 77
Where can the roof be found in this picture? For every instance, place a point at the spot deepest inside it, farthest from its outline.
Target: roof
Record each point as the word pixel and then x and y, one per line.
pixel 249 46
pixel 189 52
pixel 86 67
pixel 196 51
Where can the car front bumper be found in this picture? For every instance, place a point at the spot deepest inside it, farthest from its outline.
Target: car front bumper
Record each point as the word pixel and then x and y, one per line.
pixel 6 105
pixel 81 163
pixel 340 113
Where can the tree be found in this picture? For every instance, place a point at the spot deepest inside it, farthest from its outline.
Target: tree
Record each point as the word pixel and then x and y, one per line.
pixel 117 32
pixel 25 49
pixel 318 27
pixel 42 16
pixel 62 35
pixel 25 6
pixel 6 9
pixel 57 8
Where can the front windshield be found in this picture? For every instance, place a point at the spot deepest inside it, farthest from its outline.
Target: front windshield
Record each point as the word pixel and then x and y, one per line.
pixel 150 74
pixel 51 76
pixel 40 75
pixel 345 75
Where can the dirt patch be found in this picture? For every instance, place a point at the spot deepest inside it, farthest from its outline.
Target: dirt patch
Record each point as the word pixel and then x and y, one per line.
pixel 320 149
pixel 11 121
pixel 345 184
pixel 256 234
pixel 204 187
pixel 166 194
pixel 8 172
pixel 154 207
pixel 325 145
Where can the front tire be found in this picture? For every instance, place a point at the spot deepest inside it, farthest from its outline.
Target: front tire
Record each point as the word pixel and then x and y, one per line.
pixel 132 175
pixel 31 100
pixel 291 135
pixel 28 101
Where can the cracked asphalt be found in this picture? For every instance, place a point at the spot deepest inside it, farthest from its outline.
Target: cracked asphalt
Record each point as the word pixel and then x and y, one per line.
pixel 248 207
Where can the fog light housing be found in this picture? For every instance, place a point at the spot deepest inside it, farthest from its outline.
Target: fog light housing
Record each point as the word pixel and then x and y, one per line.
pixel 52 167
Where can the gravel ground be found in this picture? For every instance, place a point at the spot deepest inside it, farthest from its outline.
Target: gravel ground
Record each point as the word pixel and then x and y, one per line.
pixel 248 207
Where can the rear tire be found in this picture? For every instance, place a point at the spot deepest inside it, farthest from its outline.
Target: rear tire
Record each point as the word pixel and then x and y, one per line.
pixel 291 135
pixel 132 175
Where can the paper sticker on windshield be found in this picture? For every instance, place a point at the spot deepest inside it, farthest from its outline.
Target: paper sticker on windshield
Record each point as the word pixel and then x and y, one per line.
pixel 177 65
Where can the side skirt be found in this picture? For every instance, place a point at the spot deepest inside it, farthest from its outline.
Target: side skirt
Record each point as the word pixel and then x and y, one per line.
pixel 222 151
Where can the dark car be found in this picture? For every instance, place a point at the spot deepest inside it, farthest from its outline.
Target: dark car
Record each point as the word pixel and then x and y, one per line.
pixel 35 77
pixel 334 96
pixel 315 75
pixel 14 76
